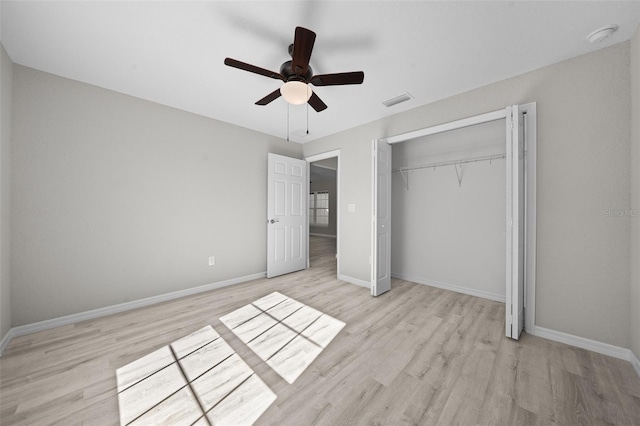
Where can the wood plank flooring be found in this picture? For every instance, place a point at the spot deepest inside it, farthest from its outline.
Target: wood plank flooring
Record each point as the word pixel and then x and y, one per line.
pixel 416 355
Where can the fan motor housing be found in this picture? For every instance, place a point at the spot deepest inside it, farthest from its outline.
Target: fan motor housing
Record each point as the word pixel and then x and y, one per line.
pixel 289 73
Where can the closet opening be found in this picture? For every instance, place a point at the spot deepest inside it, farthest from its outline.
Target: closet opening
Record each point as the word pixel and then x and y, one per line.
pixel 454 206
pixel 448 210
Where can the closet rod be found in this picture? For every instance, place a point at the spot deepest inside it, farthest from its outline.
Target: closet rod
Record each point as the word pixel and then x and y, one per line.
pixel 452 162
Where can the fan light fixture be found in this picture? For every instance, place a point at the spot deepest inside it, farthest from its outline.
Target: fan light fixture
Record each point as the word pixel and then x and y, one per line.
pixel 296 92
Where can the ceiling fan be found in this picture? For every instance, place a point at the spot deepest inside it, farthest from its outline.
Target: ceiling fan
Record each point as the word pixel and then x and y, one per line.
pixel 297 74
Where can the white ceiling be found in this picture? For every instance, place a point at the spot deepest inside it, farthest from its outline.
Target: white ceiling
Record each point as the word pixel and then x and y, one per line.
pixel 172 52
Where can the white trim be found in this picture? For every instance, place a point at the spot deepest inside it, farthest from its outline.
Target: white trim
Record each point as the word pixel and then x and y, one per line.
pixel 323 156
pixel 373 257
pixel 356 281
pixel 452 287
pixel 322 235
pixel 635 363
pixel 122 307
pixel 322 166
pixel 317 157
pixel 441 128
pixel 6 339
pixel 584 343
pixel 531 216
pixel 511 258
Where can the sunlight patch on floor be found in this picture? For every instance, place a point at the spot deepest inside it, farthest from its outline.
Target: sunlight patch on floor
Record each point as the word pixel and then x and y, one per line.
pixel 283 332
pixel 197 380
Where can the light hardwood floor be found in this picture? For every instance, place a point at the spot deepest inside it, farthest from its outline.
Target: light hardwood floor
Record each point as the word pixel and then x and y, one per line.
pixel 416 355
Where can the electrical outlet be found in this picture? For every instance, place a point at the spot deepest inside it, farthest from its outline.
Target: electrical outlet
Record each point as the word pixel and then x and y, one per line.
pixel 212 260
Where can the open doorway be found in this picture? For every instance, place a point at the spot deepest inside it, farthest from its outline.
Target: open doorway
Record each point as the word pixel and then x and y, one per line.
pixel 323 210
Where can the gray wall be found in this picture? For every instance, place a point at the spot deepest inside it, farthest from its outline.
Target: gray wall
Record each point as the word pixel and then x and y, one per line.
pixel 584 117
pixel 6 85
pixel 443 231
pixel 355 188
pixel 635 193
pixel 116 199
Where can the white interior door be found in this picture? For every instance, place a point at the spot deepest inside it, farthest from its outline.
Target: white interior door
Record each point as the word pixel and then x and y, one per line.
pixel 381 223
pixel 286 215
pixel 515 262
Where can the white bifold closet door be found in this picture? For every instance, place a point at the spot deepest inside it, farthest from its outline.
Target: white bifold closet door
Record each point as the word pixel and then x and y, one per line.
pixel 381 208
pixel 515 247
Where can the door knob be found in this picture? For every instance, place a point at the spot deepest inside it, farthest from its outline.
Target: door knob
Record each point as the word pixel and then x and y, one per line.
pixel 274 220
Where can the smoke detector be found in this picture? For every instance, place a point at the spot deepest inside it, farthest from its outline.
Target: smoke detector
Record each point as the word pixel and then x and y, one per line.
pixel 601 33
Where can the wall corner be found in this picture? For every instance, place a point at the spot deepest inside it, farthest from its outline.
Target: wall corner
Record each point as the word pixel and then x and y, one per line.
pixel 6 100
pixel 635 195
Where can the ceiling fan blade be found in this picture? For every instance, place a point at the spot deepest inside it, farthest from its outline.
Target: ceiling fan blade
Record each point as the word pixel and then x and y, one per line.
pixel 269 98
pixel 252 68
pixel 338 79
pixel 316 103
pixel 302 48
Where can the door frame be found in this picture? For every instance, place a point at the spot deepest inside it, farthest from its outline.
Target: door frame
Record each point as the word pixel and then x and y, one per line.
pixel 530 171
pixel 317 157
pixel 530 214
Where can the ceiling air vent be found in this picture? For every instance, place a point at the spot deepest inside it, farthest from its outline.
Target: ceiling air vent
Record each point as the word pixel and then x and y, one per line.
pixel 397 100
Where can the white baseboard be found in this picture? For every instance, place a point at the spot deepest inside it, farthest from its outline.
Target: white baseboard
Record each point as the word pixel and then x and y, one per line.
pixel 356 281
pixel 588 344
pixel 6 339
pixel 446 286
pixel 122 307
pixel 321 235
pixel 635 362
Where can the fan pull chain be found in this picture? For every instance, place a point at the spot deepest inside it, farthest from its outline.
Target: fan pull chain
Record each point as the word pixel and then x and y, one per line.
pixel 287 121
pixel 308 109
